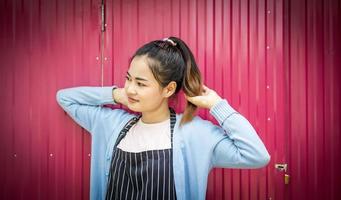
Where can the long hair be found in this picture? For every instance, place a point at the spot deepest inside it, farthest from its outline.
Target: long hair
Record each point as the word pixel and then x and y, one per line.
pixel 174 62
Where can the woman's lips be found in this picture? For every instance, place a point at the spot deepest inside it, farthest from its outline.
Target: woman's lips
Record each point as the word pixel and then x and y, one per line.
pixel 131 100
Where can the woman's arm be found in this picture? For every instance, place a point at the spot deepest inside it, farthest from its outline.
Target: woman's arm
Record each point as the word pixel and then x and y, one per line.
pixel 234 143
pixel 85 104
pixel 239 145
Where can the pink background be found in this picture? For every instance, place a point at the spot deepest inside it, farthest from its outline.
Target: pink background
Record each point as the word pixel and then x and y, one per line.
pixel 276 62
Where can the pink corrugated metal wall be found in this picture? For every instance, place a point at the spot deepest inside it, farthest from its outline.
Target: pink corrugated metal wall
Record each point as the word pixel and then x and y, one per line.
pixel 312 62
pixel 45 45
pixel 276 62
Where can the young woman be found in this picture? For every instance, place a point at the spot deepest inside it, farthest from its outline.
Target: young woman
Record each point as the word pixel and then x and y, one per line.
pixel 160 154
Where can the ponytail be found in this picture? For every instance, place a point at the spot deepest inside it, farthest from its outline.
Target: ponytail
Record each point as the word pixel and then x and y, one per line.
pixel 192 82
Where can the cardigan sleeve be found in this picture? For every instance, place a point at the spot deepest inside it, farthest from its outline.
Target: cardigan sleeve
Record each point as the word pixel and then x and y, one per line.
pixel 85 104
pixel 239 145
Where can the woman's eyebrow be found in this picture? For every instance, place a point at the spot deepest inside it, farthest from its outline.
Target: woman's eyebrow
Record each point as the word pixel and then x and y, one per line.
pixel 138 78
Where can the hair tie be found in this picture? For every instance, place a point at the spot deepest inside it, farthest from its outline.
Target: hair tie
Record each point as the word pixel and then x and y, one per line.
pixel 170 41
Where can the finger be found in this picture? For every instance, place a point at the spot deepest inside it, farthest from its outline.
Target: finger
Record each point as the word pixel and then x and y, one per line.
pixel 190 98
pixel 206 91
pixel 187 97
pixel 193 99
pixel 205 88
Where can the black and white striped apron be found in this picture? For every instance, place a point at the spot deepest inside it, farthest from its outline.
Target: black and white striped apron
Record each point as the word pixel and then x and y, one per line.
pixel 142 175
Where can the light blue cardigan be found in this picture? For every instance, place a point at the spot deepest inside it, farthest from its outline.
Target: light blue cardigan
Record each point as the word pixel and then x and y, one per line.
pixel 198 145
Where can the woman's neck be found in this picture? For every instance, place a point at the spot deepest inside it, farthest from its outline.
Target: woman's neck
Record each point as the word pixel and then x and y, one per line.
pixel 160 114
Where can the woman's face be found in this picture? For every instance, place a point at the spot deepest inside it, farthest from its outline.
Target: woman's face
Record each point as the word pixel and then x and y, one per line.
pixel 141 85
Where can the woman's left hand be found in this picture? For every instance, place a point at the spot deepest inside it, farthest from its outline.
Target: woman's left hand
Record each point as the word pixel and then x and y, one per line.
pixel 207 100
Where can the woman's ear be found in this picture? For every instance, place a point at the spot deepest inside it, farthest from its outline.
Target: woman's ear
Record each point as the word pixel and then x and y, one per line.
pixel 170 89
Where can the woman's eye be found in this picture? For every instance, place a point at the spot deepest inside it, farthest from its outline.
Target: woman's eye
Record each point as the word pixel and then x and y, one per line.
pixel 139 84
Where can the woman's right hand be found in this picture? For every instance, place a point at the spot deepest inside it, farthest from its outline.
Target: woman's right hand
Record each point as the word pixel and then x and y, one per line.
pixel 120 96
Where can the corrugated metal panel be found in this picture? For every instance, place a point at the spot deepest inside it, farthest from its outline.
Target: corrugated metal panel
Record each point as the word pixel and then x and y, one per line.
pixel 45 46
pixel 276 62
pixel 312 56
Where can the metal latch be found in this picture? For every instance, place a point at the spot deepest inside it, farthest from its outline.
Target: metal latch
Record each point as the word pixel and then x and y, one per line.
pixel 281 167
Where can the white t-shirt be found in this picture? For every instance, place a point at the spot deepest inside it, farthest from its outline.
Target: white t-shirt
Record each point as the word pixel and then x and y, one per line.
pixel 145 137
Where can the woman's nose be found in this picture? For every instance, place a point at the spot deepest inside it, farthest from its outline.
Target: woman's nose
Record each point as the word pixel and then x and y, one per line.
pixel 131 89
